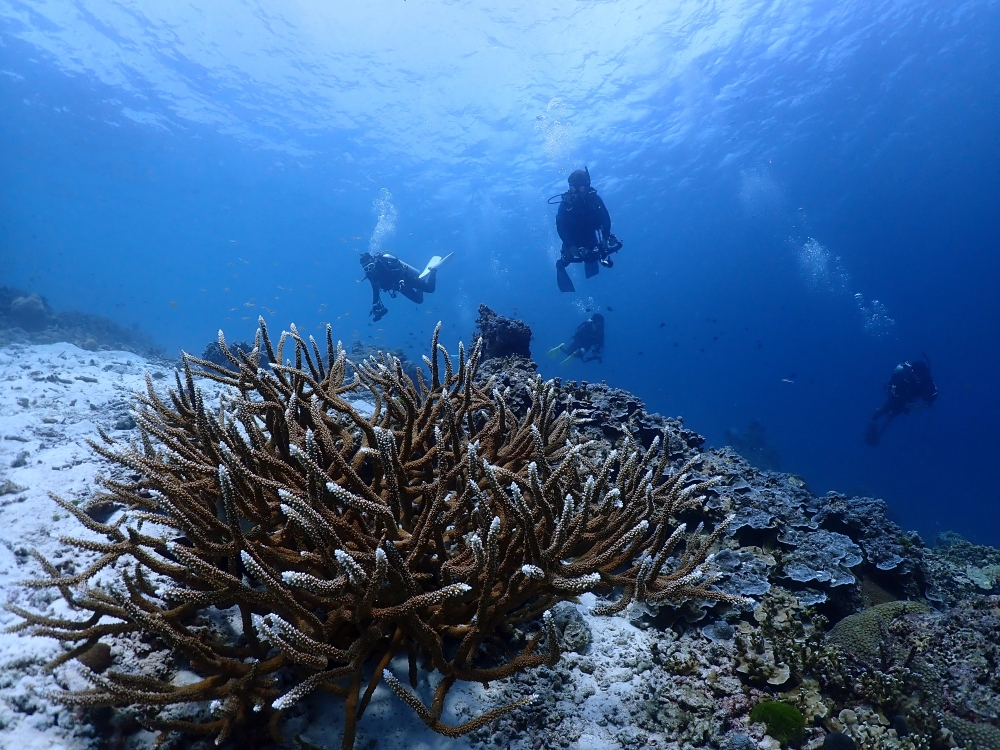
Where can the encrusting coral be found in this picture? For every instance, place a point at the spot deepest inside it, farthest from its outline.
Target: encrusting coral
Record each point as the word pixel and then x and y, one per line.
pixel 340 541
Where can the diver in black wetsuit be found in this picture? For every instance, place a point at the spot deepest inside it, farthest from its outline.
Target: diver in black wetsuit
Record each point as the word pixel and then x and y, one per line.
pixel 584 226
pixel 387 273
pixel 587 342
pixel 909 388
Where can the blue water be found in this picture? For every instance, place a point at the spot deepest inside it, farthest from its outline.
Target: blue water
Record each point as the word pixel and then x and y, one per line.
pixel 765 164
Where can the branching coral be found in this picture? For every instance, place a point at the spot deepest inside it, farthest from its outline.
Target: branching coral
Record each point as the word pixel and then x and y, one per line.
pixel 342 541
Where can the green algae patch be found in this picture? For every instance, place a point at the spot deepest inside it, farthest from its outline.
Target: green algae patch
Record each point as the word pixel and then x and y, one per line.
pixel 784 721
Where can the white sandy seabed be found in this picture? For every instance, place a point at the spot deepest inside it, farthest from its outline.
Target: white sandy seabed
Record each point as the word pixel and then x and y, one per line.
pixel 52 399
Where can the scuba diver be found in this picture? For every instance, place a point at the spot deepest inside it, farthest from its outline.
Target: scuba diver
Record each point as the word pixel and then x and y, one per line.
pixel 584 226
pixel 589 335
pixel 909 388
pixel 387 273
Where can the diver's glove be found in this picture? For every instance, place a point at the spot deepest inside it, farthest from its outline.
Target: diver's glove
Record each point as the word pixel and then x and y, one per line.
pixel 378 311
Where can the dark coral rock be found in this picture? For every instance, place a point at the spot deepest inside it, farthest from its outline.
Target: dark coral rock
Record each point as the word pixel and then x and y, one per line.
pixel 743 572
pixel 502 337
pixel 829 548
pixel 739 741
pixel 213 353
pixel 720 630
pixel 125 423
pixel 30 312
pixel 27 318
pixel 606 413
pixel 956 569
pixel 602 412
pixel 574 632
pixel 819 556
pixel 762 500
pixel 838 741
pixel 515 377
pixel 900 726
pixel 97 658
pixel 885 545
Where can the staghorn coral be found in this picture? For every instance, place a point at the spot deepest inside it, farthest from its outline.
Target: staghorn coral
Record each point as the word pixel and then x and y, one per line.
pixel 339 541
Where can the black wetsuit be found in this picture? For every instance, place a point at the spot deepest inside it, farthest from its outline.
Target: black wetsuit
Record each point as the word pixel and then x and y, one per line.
pixel 584 225
pixel 387 273
pixel 589 335
pixel 910 387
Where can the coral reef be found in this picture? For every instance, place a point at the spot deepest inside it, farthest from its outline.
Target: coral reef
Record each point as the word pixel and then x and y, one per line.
pixel 611 413
pixel 502 337
pixel 956 569
pixel 973 736
pixel 280 542
pixel 30 313
pixel 962 650
pixel 274 536
pixel 821 556
pixel 885 545
pixel 862 635
pixel 27 318
pixel 213 353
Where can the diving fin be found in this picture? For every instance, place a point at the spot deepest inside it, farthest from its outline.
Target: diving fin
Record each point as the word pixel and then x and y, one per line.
pixel 872 434
pixel 563 280
pixel 591 267
pixel 555 351
pixel 568 359
pixel 436 261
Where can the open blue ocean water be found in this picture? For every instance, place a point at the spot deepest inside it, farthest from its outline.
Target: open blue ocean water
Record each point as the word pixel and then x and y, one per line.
pixel 808 193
